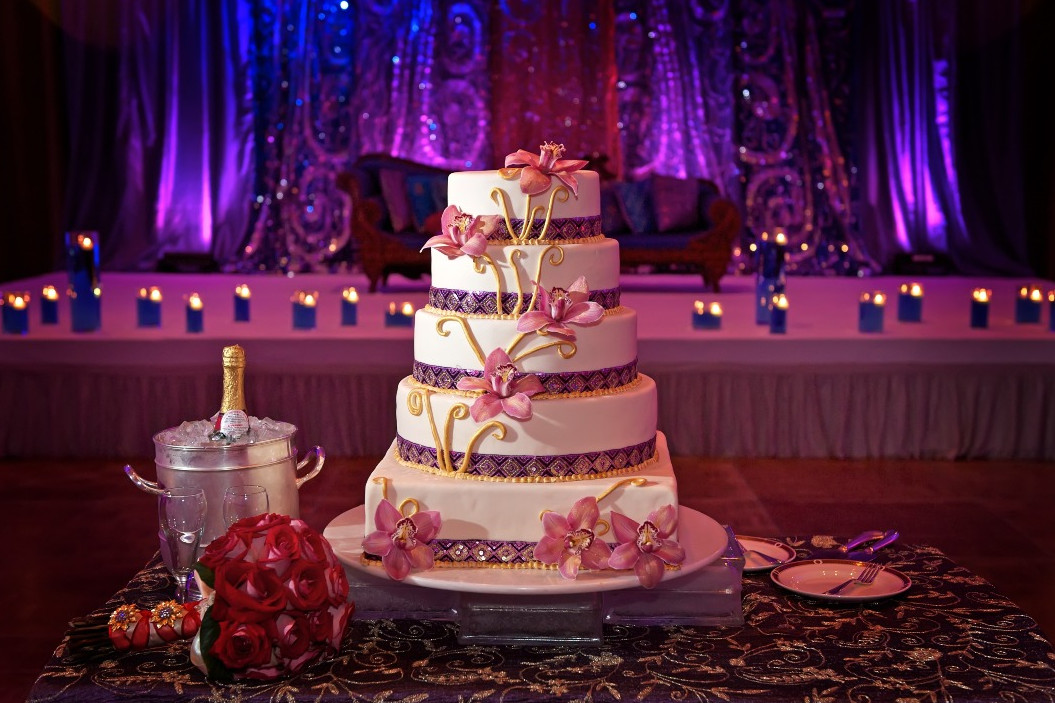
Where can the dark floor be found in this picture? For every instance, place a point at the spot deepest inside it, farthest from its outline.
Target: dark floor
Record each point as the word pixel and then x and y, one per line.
pixel 76 531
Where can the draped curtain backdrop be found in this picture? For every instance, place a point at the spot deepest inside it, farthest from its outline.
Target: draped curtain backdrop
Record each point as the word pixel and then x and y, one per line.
pixel 863 129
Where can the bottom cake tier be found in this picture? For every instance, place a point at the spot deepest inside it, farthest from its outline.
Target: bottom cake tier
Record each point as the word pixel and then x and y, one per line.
pixel 496 524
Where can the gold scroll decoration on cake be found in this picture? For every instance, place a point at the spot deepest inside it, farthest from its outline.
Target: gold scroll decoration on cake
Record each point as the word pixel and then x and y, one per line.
pixel 501 199
pixel 419 400
pixel 603 525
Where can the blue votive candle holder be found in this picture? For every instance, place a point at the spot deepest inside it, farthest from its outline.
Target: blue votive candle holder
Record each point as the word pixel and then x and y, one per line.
pixel 910 303
pixel 706 316
pixel 304 310
pixel 403 317
pixel 349 307
pixel 82 264
pixel 49 306
pixel 870 312
pixel 1051 310
pixel 1027 305
pixel 980 298
pixel 778 314
pixel 15 313
pixel 195 314
pixel 241 303
pixel 148 307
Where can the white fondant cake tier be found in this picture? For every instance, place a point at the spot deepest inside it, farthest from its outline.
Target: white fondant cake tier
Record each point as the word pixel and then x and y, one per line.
pixel 558 425
pixel 598 261
pixel 471 191
pixel 511 511
pixel 610 343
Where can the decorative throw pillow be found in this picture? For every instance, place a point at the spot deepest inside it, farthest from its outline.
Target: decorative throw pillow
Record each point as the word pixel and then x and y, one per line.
pixel 422 204
pixel 394 191
pixel 676 201
pixel 708 194
pixel 439 192
pixel 612 220
pixel 635 202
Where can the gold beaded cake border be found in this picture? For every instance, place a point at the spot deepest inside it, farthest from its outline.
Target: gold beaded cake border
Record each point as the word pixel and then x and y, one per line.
pixel 494 315
pixel 524 479
pixel 538 396
pixel 536 242
pixel 534 565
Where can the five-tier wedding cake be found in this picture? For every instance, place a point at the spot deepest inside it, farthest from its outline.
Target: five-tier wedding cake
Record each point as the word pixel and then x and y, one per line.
pixel 526 437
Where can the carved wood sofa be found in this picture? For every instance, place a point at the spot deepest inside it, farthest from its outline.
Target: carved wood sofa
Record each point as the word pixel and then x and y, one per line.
pixel 661 222
pixel 396 206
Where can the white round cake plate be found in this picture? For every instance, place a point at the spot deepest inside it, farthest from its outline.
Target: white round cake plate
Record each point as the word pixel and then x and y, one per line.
pixel 704 541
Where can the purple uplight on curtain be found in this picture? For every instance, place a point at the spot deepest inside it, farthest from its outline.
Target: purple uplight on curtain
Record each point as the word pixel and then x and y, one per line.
pixel 161 141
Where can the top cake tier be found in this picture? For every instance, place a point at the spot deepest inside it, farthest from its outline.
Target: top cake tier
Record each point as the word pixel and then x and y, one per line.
pixel 484 193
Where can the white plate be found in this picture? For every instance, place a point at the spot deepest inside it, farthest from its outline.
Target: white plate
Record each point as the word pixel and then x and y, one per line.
pixel 770 547
pixel 704 541
pixel 812 578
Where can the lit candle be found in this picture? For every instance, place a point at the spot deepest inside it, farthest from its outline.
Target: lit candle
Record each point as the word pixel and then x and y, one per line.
pixel 706 317
pixel 910 303
pixel 148 307
pixel 49 306
pixel 82 264
pixel 1027 307
pixel 304 310
pixel 980 298
pixel 195 313
pixel 402 317
pixel 1051 310
pixel 241 303
pixel 349 307
pixel 15 313
pixel 770 281
pixel 778 315
pixel 870 312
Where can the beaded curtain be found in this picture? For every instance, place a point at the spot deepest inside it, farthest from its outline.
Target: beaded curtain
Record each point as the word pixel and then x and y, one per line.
pixel 752 94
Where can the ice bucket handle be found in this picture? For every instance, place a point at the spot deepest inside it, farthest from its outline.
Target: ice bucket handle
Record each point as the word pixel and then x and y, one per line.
pixel 142 483
pixel 320 459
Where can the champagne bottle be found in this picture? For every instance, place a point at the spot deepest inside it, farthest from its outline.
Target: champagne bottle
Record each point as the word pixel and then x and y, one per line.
pixel 232 422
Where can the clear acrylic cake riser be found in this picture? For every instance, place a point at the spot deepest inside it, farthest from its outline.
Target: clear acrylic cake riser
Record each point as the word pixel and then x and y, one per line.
pixel 709 596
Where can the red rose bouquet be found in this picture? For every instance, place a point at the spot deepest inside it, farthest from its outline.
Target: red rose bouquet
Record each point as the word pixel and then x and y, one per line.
pixel 276 600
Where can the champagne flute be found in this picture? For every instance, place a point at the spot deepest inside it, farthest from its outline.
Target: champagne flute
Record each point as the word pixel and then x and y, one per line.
pixel 181 514
pixel 244 501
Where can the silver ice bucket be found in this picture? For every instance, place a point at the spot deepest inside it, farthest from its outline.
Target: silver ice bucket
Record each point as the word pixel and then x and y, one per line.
pixel 270 463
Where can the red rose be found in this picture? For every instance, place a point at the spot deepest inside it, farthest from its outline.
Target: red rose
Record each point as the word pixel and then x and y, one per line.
pixel 321 622
pixel 314 548
pixel 226 547
pixel 266 522
pixel 241 645
pixel 293 634
pixel 336 584
pixel 247 592
pixel 307 585
pixel 281 546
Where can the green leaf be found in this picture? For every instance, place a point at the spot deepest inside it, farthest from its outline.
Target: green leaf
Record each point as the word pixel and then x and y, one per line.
pixel 209 633
pixel 205 575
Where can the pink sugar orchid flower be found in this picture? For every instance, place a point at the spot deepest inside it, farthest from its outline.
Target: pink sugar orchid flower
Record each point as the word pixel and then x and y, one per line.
pixel 646 547
pixel 402 542
pixel 462 234
pixel 559 308
pixel 504 389
pixel 571 542
pixel 535 171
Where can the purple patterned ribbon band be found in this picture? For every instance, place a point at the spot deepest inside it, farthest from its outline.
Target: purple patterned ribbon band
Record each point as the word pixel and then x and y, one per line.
pixel 568 382
pixel 472 302
pixel 559 229
pixel 500 466
pixel 481 552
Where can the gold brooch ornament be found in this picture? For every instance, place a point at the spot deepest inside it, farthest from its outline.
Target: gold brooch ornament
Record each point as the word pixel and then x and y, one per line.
pixel 124 617
pixel 167 613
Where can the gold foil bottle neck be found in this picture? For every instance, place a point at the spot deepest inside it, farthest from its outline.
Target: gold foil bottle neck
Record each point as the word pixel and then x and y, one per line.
pixel 233 379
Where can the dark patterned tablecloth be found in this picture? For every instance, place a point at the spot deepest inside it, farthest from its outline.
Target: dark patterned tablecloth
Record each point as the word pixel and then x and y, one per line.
pixel 951 637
